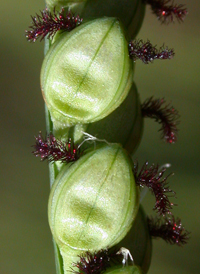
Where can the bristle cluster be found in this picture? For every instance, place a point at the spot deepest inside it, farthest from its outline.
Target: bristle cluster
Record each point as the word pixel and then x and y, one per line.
pixel 94 263
pixel 147 53
pixel 166 10
pixel 153 179
pixel 165 115
pixel 53 150
pixel 47 24
pixel 170 230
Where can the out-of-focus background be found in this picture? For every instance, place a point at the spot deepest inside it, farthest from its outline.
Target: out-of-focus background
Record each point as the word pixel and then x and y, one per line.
pixel 26 246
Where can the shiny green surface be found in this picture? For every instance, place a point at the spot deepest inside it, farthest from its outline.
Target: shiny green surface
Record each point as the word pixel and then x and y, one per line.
pixel 93 202
pixel 87 73
pixel 26 245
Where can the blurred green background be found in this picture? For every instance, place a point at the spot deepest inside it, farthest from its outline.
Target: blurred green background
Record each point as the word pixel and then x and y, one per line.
pixel 26 245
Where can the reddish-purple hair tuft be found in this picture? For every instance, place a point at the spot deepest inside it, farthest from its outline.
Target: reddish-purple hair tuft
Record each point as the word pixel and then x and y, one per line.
pixel 147 53
pixel 165 115
pixel 170 230
pixel 166 10
pixel 153 179
pixel 47 24
pixel 53 150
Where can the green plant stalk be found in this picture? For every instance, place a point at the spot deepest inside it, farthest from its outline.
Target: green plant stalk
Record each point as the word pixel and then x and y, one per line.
pixel 53 172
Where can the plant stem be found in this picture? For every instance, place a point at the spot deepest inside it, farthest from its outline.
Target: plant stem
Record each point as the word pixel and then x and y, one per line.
pixel 53 172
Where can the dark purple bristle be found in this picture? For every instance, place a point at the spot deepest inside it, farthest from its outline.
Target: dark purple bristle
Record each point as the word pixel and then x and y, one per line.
pixel 53 150
pixel 147 53
pixel 169 229
pixel 97 262
pixel 165 115
pixel 153 179
pixel 166 10
pixel 47 24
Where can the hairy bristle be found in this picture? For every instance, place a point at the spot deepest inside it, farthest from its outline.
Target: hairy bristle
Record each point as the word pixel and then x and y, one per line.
pixel 166 10
pixel 47 24
pixel 170 230
pixel 146 52
pixel 54 150
pixel 96 262
pixel 165 115
pixel 153 179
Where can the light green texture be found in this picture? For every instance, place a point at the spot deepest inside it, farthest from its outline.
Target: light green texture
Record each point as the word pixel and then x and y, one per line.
pixel 130 12
pixel 93 202
pixel 87 73
pixel 131 269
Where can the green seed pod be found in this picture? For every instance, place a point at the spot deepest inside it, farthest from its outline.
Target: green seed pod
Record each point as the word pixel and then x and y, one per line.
pixel 87 73
pixel 130 12
pixel 124 125
pixel 131 269
pixel 138 241
pixel 93 202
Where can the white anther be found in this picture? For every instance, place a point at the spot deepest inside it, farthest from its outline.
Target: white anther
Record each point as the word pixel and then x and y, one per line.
pixel 88 137
pixel 125 253
pixel 167 165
